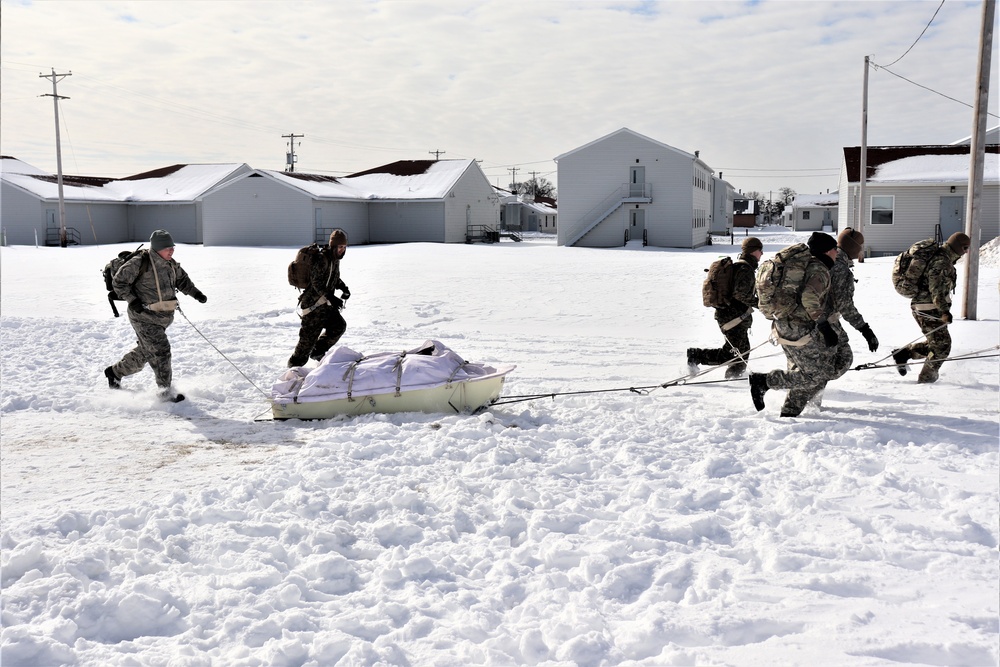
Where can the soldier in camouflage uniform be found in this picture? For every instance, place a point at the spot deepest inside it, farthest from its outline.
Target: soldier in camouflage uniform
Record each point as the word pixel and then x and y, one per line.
pixel 322 324
pixel 808 340
pixel 150 282
pixel 735 318
pixel 840 304
pixel 931 308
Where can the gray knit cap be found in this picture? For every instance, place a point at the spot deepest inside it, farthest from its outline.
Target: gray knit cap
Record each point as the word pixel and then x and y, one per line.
pixel 160 239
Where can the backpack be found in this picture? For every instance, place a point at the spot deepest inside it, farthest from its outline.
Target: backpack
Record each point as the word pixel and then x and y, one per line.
pixel 717 290
pixel 111 268
pixel 780 281
pixel 300 270
pixel 911 265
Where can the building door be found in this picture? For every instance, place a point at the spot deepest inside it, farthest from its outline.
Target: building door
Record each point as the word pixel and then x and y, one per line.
pixel 636 224
pixel 636 181
pixel 952 216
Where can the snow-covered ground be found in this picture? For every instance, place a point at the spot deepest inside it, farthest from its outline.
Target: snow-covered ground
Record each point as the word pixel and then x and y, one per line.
pixel 675 527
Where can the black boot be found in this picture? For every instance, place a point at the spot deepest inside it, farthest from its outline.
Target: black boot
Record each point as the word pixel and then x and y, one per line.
pixel 901 356
pixel 758 387
pixel 113 380
pixel 167 395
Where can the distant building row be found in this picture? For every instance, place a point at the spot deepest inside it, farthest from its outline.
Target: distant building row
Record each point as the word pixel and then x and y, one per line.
pixel 619 188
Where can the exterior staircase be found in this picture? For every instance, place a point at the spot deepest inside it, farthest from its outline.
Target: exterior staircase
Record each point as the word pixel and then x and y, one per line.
pixel 627 193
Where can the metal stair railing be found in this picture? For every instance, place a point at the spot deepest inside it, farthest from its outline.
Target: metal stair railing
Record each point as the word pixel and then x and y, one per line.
pixel 610 204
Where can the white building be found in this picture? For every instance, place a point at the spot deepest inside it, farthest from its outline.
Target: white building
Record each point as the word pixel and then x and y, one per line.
pixel 914 193
pixel 812 213
pixel 625 186
pixel 233 204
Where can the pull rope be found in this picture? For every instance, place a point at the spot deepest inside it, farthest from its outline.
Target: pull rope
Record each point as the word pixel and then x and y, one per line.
pixel 223 355
pixel 647 389
pixel 978 354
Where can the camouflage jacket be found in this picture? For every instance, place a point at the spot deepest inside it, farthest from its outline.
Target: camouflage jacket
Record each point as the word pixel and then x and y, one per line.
pixel 324 278
pixel 132 282
pixel 939 279
pixel 841 297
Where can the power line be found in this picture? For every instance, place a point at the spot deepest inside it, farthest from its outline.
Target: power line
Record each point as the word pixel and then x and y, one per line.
pixel 918 38
pixel 918 85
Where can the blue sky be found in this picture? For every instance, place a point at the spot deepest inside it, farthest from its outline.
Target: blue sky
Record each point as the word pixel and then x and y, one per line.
pixel 768 92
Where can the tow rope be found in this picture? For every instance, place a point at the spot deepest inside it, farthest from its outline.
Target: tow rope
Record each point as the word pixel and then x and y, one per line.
pixel 223 355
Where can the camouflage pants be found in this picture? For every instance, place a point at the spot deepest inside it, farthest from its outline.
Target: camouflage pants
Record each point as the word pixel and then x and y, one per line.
pixel 152 347
pixel 843 355
pixel 320 330
pixel 936 345
pixel 809 368
pixel 737 345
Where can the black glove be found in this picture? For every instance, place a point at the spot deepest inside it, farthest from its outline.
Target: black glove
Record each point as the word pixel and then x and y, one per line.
pixel 199 297
pixel 345 293
pixel 335 302
pixel 829 335
pixel 946 317
pixel 136 306
pixel 869 335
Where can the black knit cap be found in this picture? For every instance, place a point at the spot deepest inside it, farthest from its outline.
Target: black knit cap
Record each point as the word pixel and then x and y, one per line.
pixel 820 244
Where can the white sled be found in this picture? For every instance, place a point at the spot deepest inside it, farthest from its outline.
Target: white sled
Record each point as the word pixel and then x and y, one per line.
pixel 429 378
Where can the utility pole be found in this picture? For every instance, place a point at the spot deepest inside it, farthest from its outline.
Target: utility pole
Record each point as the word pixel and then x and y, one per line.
pixel 436 154
pixel 56 78
pixel 977 159
pixel 513 176
pixel 290 158
pixel 863 180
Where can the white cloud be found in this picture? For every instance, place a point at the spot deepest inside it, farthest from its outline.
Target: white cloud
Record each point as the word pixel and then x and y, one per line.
pixel 765 85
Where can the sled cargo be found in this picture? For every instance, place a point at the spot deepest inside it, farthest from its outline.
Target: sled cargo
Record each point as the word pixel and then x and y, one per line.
pixel 429 378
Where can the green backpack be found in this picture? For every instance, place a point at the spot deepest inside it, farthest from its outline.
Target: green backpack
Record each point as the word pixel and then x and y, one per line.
pixel 911 265
pixel 780 281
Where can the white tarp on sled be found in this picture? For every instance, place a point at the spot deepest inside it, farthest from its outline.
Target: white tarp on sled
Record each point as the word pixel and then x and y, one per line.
pixel 428 378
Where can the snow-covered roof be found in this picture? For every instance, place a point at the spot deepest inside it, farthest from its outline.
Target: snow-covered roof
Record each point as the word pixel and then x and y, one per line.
pixel 179 183
pixel 935 169
pixel 830 199
pixel 405 179
pixel 182 182
pixel 918 164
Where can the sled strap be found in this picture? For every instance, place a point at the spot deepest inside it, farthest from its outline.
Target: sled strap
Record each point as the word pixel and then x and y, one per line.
pixel 923 306
pixel 802 342
pixel 736 320
pixel 454 373
pixel 399 371
pixel 349 377
pixel 322 301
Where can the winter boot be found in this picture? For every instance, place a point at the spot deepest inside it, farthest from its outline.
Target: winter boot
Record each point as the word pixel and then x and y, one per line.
pixel 929 373
pixel 294 361
pixel 735 370
pixel 167 395
pixel 113 380
pixel 901 356
pixel 758 387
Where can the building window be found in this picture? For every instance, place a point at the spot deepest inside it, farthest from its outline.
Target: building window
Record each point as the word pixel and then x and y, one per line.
pixel 882 209
pixel 805 215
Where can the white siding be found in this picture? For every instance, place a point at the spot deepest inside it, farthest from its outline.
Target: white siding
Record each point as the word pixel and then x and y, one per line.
pixel 181 220
pixel 916 211
pixel 351 216
pixel 257 211
pixel 472 193
pixel 406 221
pixel 21 215
pixel 587 176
